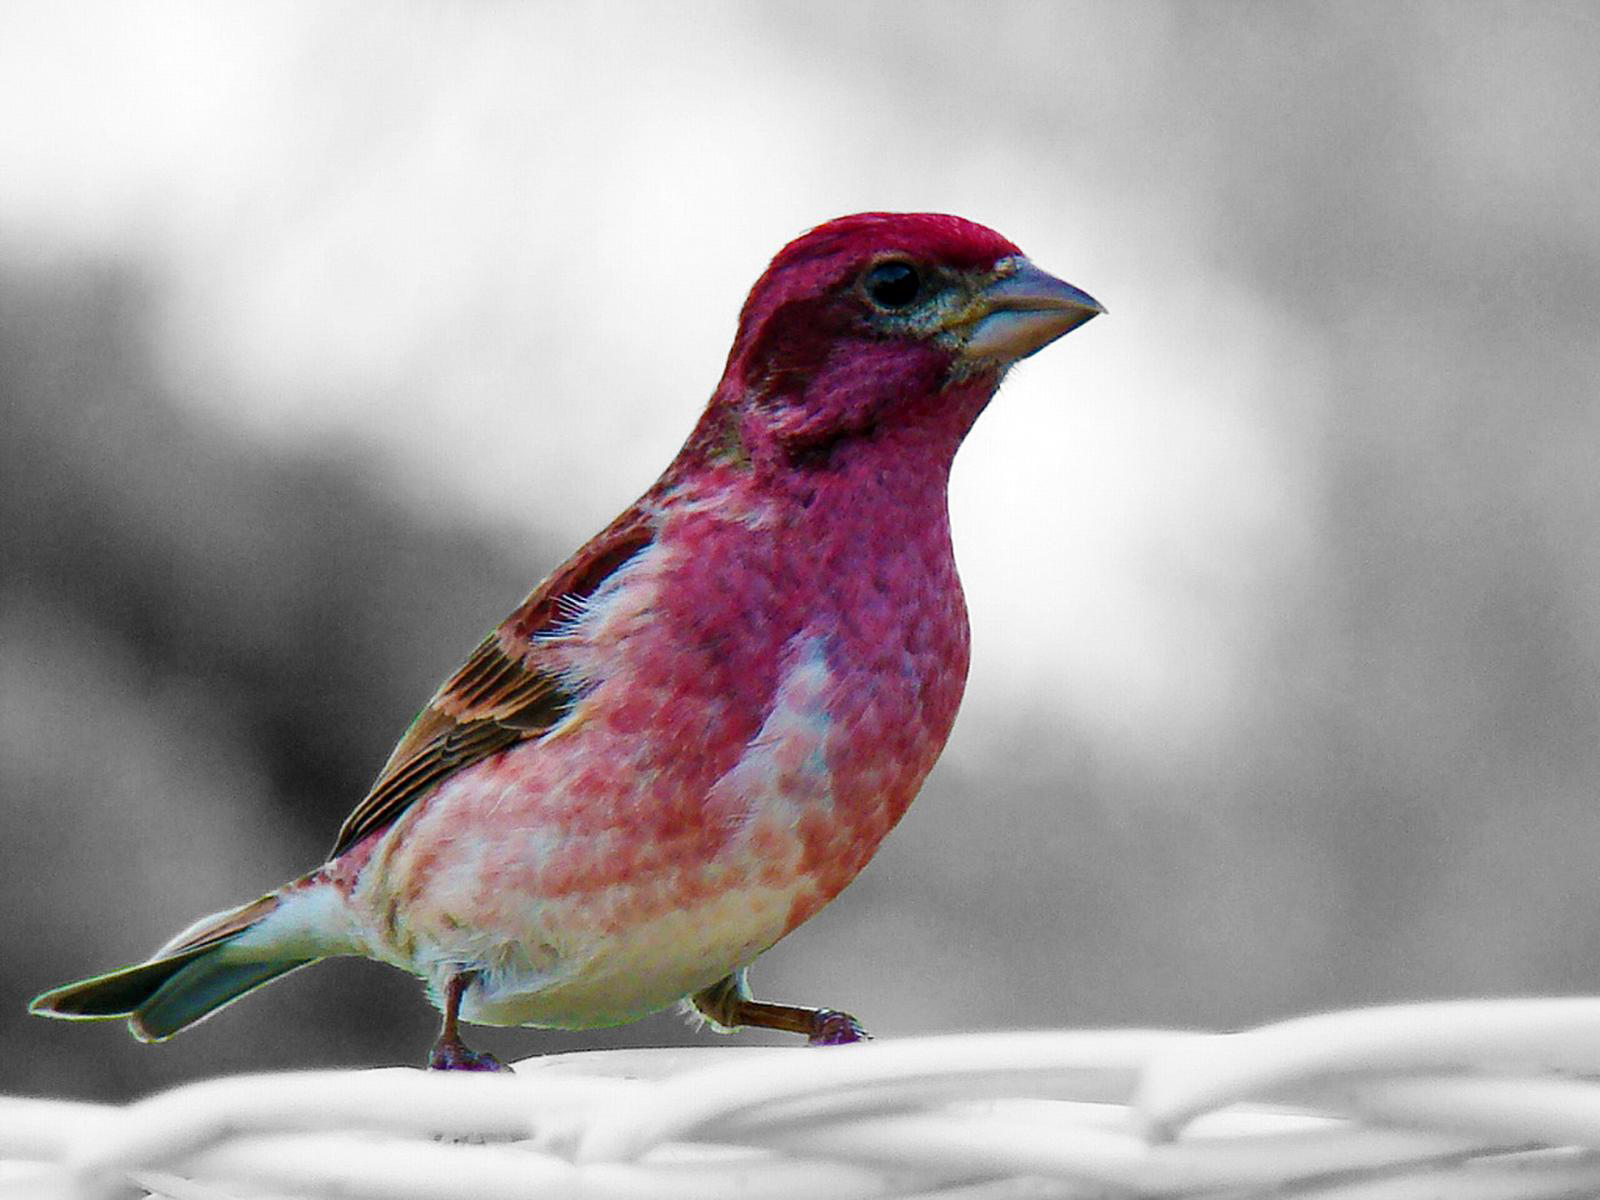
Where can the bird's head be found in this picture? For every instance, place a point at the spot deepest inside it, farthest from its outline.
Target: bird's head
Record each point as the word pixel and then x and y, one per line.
pixel 880 322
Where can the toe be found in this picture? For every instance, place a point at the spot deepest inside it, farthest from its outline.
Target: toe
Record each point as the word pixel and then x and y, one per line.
pixel 833 1028
pixel 460 1058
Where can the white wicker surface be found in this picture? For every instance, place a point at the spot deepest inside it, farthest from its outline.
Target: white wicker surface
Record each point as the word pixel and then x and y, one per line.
pixel 1465 1100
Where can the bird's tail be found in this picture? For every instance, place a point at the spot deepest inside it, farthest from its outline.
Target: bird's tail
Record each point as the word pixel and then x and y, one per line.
pixel 212 963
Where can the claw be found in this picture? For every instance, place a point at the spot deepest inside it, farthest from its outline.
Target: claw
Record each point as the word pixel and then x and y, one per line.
pixel 830 1027
pixel 453 1056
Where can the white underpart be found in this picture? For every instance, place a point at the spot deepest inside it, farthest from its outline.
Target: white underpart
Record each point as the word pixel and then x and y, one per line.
pixel 798 723
pixel 308 922
pixel 625 974
pixel 583 646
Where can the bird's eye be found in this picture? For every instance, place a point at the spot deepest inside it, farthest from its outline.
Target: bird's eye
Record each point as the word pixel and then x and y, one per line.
pixel 892 285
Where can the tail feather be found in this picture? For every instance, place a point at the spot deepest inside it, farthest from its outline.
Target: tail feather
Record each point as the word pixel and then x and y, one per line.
pixel 199 972
pixel 200 989
pixel 117 993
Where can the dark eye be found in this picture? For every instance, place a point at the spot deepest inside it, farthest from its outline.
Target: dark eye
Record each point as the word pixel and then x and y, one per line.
pixel 892 284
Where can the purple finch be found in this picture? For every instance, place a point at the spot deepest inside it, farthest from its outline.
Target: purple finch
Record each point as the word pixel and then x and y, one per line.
pixel 696 732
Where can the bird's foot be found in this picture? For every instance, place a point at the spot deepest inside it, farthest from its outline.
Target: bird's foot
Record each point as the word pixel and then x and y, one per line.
pixel 449 1052
pixel 832 1028
pixel 453 1056
pixel 728 1003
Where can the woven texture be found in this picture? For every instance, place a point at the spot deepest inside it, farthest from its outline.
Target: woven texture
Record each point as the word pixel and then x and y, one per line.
pixel 1471 1099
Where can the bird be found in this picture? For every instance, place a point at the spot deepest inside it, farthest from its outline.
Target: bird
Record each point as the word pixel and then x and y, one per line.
pixel 697 730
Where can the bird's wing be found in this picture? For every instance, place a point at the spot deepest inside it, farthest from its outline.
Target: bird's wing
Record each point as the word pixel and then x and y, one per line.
pixel 502 694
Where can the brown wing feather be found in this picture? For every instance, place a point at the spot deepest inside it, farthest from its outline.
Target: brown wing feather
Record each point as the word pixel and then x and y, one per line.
pixel 502 694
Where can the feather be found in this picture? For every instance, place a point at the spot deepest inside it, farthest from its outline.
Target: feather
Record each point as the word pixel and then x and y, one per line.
pixel 503 694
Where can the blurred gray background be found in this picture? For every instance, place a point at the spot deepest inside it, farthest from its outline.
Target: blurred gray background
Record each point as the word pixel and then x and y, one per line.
pixel 327 328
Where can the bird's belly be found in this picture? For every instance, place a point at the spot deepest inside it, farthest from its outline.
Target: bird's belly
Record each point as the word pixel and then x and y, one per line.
pixel 592 877
pixel 575 957
pixel 574 925
pixel 641 968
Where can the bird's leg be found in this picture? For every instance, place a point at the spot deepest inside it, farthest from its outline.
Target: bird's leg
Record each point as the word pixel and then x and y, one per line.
pixel 727 1003
pixel 449 1052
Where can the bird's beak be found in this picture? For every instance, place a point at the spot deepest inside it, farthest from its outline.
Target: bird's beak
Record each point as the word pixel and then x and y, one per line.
pixel 1022 312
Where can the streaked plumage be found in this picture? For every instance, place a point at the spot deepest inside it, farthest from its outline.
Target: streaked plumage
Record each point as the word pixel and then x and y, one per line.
pixel 696 732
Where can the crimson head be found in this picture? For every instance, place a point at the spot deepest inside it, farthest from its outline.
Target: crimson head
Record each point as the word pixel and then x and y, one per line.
pixel 881 321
